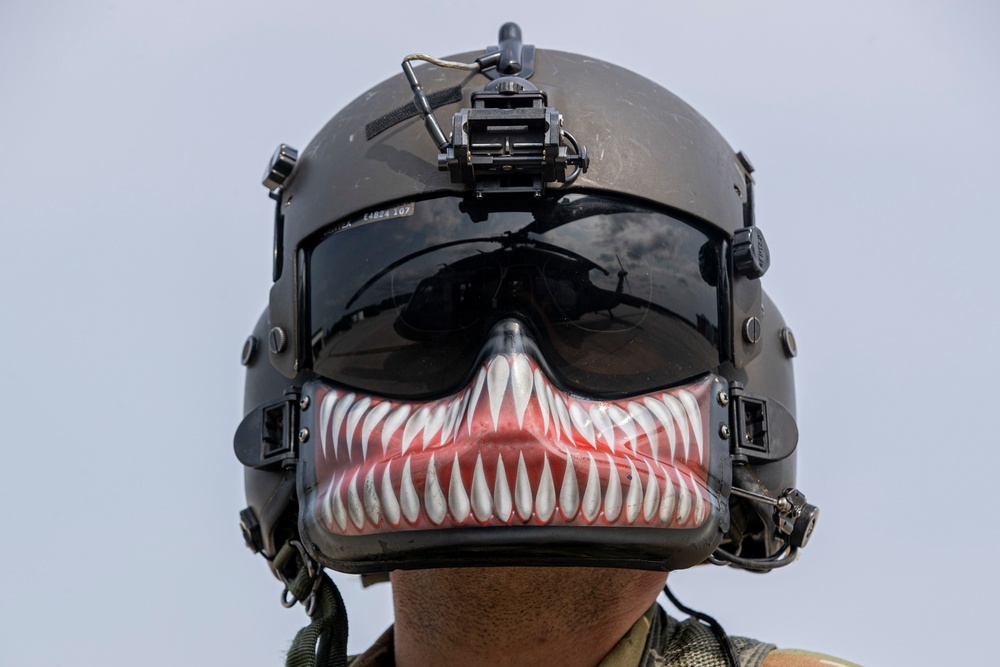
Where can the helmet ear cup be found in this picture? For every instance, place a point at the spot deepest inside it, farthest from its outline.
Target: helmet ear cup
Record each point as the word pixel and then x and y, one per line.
pixel 269 520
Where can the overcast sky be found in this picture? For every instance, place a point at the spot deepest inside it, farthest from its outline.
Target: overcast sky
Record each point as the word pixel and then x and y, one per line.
pixel 137 238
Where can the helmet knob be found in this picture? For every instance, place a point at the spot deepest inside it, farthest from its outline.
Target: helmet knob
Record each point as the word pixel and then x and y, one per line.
pixel 280 167
pixel 751 256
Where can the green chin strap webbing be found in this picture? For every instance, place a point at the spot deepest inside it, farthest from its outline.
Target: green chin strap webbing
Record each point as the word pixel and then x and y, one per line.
pixel 328 627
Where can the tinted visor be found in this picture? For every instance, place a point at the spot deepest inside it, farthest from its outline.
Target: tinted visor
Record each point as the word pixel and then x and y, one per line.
pixel 620 299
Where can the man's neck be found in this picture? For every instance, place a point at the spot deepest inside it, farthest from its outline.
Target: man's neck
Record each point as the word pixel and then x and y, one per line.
pixel 503 617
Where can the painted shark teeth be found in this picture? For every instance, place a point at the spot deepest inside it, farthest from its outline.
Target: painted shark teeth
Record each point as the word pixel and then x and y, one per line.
pixel 651 504
pixel 543 402
pixel 370 496
pixel 354 509
pixel 521 382
pixel 633 462
pixel 325 411
pixel 414 426
pixel 646 495
pixel 602 422
pixel 690 404
pixel 373 419
pixel 353 417
pixel 496 383
pixel 392 424
pixel 613 494
pixel 337 418
pixel 522 490
pixel 592 494
pixel 545 500
pixel 667 500
pixel 677 412
pixel 569 494
pixel 633 503
pixel 337 510
pixel 389 503
pixel 458 499
pixel 623 420
pixel 482 501
pixel 581 420
pixel 409 501
pixel 501 493
pixel 435 503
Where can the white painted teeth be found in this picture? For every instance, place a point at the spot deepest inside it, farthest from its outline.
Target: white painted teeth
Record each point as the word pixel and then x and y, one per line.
pixel 645 420
pixel 633 503
pixel 545 501
pixel 683 500
pixel 325 410
pixel 354 509
pixel 372 507
pixel 668 500
pixel 654 495
pixel 558 406
pixel 652 502
pixel 392 424
pixel 434 500
pixel 613 495
pixel 458 499
pixel 496 383
pixel 569 495
pixel 501 492
pixel 353 417
pixel 520 382
pixel 543 403
pixel 408 498
pixel 622 420
pixel 371 421
pixel 699 504
pixel 365 494
pixel 337 418
pixel 482 501
pixel 694 416
pixel 477 390
pixel 677 412
pixel 581 420
pixel 337 506
pixel 592 494
pixel 414 426
pixel 522 490
pixel 434 424
pixel 662 414
pixel 389 503
pixel 599 417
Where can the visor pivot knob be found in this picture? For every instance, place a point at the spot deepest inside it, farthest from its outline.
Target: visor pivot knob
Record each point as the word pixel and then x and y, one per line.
pixel 751 330
pixel 277 340
pixel 751 256
pixel 280 167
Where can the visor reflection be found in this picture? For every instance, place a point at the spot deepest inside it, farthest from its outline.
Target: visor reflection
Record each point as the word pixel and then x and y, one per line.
pixel 615 295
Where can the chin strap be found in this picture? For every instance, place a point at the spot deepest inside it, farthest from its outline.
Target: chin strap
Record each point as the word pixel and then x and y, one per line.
pixel 720 633
pixel 328 628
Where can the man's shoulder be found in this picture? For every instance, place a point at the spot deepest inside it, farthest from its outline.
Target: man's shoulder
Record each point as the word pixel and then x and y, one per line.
pixel 790 657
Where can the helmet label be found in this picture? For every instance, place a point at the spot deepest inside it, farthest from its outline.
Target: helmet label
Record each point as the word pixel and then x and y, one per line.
pixel 398 211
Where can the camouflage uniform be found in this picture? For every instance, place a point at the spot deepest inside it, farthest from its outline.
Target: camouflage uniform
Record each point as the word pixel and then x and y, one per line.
pixel 655 640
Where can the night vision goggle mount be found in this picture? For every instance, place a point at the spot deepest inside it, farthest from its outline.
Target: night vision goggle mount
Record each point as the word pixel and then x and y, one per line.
pixel 509 142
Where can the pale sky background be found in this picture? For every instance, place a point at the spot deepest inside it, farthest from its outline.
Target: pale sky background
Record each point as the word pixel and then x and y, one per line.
pixel 137 238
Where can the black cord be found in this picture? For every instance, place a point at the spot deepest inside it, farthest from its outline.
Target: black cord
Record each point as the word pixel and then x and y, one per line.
pixel 720 633
pixel 781 559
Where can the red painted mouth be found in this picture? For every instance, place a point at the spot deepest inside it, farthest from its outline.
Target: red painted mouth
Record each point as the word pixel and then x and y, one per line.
pixel 512 450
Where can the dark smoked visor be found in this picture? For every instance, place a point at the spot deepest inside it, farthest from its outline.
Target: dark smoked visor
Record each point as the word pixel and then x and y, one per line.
pixel 620 299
